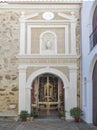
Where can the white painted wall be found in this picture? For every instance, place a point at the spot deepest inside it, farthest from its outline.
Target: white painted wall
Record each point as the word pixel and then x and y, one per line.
pixel 88 58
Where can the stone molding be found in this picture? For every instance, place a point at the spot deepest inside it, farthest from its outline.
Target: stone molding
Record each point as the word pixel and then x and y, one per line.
pixel 53 50
pixel 46 26
pixel 26 21
pixel 44 60
pixel 50 56
pixel 47 70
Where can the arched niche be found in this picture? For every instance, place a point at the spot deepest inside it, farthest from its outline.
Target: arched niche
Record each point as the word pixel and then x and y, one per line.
pixel 48 43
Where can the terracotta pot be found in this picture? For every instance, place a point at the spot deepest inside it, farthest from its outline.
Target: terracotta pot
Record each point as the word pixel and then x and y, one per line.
pixel 31 118
pixel 77 120
pixel 24 119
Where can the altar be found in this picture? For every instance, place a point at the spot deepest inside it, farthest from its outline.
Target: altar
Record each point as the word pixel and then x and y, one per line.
pixel 48 105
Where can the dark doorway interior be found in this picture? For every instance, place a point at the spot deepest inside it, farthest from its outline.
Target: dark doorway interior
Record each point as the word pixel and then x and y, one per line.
pixel 95 94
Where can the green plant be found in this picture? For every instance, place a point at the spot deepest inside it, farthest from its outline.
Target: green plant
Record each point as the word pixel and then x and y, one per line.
pixel 62 113
pixel 23 114
pixel 32 114
pixel 76 112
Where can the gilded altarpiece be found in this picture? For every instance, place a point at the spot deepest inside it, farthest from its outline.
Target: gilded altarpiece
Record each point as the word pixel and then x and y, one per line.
pixel 50 94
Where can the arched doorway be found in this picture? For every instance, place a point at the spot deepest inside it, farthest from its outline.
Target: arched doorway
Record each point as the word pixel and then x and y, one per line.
pixel 66 85
pixel 94 77
pixel 70 86
pixel 47 95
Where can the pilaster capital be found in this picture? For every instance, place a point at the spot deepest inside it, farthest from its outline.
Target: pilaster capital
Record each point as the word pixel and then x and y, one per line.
pixel 21 19
pixel 73 68
pixel 74 22
pixel 22 68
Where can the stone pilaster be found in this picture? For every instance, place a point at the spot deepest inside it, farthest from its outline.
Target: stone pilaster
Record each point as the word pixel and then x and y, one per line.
pixel 73 38
pixel 22 35
pixel 71 92
pixel 22 88
pixel 73 87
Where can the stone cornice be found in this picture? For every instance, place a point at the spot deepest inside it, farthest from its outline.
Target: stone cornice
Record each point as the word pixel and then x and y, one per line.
pixel 45 6
pixel 56 22
pixel 40 1
pixel 43 61
pixel 48 56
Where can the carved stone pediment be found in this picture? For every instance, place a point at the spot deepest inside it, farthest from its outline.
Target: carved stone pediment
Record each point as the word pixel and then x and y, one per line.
pixel 67 17
pixel 29 17
pixel 34 15
pixel 48 16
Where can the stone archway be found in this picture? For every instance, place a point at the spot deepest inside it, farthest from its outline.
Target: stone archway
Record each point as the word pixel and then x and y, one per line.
pixel 43 71
pixel 48 70
pixel 25 87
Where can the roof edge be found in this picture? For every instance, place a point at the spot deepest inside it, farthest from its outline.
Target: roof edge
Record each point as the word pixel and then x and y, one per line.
pixel 41 1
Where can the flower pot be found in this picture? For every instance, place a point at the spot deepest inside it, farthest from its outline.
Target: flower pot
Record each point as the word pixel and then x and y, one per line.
pixel 77 120
pixel 24 119
pixel 23 115
pixel 31 118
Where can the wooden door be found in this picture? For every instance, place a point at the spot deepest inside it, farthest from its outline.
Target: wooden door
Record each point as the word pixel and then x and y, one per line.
pixel 95 94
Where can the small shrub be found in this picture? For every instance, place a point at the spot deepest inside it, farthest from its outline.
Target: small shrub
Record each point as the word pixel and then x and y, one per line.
pixel 76 112
pixel 23 114
pixel 62 113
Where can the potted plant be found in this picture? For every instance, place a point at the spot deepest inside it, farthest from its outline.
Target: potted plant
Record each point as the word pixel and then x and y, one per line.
pixel 32 116
pixel 62 114
pixel 24 115
pixel 76 113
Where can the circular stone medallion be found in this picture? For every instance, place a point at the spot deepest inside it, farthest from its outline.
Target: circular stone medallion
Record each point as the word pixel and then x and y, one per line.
pixel 48 15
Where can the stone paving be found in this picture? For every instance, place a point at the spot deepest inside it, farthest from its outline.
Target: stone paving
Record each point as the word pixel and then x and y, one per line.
pixel 45 124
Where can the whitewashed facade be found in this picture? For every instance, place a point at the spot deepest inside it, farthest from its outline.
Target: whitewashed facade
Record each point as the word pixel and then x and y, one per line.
pixel 89 57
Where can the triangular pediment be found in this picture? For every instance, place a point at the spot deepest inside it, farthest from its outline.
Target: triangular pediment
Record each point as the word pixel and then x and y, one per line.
pixel 65 16
pixel 40 16
pixel 31 16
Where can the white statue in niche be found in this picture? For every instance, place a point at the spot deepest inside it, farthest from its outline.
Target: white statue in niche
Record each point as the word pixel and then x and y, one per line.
pixel 48 45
